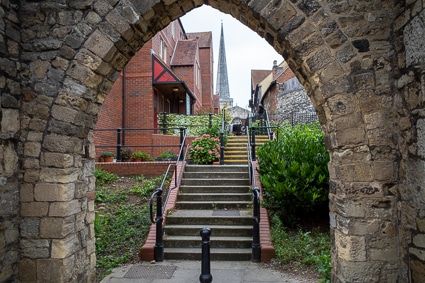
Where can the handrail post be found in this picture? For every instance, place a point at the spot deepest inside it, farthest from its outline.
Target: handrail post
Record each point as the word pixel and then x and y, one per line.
pixel 256 247
pixel 119 144
pixel 164 123
pixel 181 141
pixel 159 245
pixel 221 148
pixel 253 143
pixel 210 120
pixel 205 276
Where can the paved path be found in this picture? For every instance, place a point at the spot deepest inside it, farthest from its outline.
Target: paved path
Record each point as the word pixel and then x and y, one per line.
pixel 181 271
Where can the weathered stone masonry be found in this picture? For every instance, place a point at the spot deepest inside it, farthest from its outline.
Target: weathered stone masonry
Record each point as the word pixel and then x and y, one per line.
pixel 361 62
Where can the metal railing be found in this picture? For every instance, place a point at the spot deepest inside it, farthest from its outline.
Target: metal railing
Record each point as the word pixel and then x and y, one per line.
pixel 256 246
pixel 120 140
pixel 223 126
pixel 160 205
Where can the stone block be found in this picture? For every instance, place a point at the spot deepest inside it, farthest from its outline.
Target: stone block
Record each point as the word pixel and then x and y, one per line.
pixel 26 193
pixel 100 45
pixel 55 270
pixel 32 149
pixel 58 160
pixel 31 175
pixel 30 268
pixel 357 172
pixel 350 207
pixel 56 175
pixel 419 240
pixel 62 209
pixel 420 222
pixel 419 253
pixel 10 120
pixel 35 248
pixel 414 42
pixel 63 248
pixel 350 248
pixel 63 144
pixel 34 209
pixel 54 192
pixel 52 227
pixel 30 227
pixel 352 136
pixel 417 270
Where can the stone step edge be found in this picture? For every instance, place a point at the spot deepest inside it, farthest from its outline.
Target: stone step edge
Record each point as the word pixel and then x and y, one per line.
pixel 267 249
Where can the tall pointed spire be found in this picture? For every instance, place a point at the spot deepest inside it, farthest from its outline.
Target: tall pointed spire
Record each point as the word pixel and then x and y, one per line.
pixel 222 87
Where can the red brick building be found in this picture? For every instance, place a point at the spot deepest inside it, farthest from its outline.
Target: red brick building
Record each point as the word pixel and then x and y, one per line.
pixel 172 73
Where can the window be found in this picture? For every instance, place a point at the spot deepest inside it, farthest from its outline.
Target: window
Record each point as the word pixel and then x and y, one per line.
pixel 162 50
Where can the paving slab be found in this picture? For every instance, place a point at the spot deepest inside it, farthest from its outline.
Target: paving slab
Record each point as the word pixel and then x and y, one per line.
pixel 185 271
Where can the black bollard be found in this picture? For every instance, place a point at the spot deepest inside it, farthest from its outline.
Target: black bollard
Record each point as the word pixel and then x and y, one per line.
pixel 205 276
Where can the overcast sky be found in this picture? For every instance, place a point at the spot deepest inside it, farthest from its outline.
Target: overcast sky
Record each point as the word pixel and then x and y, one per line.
pixel 245 50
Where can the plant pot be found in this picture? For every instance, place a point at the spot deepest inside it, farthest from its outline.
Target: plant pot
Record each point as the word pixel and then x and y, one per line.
pixel 108 159
pixel 137 159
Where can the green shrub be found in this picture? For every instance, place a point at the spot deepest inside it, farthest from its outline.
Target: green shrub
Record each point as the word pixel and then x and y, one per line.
pixel 143 155
pixel 302 248
pixel 205 149
pixel 104 177
pixel 294 173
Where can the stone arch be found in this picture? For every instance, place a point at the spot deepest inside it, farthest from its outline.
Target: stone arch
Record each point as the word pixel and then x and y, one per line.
pixel 362 74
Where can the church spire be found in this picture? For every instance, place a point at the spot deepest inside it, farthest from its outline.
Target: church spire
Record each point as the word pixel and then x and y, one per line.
pixel 222 87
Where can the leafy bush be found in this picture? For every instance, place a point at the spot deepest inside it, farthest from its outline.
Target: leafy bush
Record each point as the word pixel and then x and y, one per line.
pixel 104 177
pixel 195 124
pixel 294 173
pixel 205 149
pixel 167 155
pixel 302 248
pixel 143 155
pixel 126 153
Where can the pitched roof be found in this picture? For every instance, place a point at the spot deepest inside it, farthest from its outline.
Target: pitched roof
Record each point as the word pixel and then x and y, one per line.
pixel 204 38
pixel 185 53
pixel 257 76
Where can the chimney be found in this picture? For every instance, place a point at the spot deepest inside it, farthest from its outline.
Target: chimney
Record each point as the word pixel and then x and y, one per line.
pixel 274 70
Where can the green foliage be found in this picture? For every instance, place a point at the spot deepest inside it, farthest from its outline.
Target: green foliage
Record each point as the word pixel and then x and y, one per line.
pixel 294 173
pixel 147 187
pixel 196 124
pixel 126 153
pixel 104 177
pixel 205 149
pixel 107 154
pixel 302 248
pixel 119 234
pixel 143 155
pixel 122 221
pixel 167 155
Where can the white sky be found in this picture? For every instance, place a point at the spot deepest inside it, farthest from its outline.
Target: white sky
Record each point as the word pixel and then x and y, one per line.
pixel 245 50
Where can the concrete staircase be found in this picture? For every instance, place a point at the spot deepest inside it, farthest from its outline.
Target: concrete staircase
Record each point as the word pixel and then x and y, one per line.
pixel 217 197
pixel 235 149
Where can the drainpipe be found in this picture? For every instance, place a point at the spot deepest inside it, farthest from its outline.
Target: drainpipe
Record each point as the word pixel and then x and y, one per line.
pixel 124 82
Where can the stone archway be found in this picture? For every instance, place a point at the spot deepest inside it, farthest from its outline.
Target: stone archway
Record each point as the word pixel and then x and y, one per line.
pixel 358 61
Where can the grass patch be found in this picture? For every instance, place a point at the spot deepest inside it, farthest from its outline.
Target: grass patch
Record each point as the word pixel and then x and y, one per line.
pixel 302 249
pixel 122 218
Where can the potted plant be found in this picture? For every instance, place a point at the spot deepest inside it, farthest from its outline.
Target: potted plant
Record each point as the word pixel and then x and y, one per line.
pixel 126 154
pixel 108 156
pixel 141 156
pixel 167 156
pixel 205 149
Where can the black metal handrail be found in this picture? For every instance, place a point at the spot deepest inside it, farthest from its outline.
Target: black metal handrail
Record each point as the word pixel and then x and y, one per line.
pixel 256 246
pixel 120 140
pixel 160 206
pixel 223 126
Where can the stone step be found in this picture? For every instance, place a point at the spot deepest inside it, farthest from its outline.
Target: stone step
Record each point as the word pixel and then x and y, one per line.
pixel 215 175
pixel 215 168
pixel 214 197
pixel 215 254
pixel 214 188
pixel 216 242
pixel 219 230
pixel 210 217
pixel 216 182
pixel 213 204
